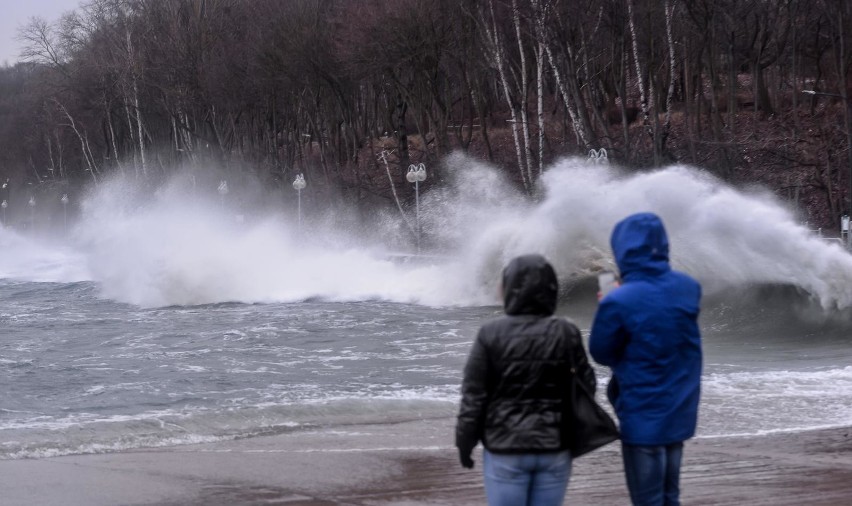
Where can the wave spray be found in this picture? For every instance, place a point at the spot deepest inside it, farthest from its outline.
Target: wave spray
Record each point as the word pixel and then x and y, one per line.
pixel 176 249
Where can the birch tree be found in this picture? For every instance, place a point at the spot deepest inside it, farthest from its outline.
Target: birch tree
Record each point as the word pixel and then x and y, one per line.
pixel 542 9
pixel 646 99
pixel 493 49
pixel 669 8
pixel 524 91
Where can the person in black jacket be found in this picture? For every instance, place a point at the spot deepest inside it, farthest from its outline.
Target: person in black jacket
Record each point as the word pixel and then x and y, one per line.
pixel 515 389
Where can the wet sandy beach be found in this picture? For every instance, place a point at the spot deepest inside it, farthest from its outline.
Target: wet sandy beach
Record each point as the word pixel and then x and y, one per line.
pixel 414 463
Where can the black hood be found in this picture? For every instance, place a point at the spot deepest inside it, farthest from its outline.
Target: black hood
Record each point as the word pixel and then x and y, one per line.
pixel 530 286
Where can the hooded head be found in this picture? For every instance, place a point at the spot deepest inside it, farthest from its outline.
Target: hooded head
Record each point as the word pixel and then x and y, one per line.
pixel 529 286
pixel 640 245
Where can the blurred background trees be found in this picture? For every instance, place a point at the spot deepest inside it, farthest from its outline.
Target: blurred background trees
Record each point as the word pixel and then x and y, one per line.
pixel 323 87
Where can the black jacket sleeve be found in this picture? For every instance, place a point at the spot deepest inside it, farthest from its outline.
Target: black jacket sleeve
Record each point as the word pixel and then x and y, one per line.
pixel 584 371
pixel 471 419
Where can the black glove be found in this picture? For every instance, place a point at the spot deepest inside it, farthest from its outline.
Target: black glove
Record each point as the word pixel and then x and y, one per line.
pixel 465 458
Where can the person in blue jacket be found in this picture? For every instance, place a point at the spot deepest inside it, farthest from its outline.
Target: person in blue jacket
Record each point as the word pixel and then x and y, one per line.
pixel 646 330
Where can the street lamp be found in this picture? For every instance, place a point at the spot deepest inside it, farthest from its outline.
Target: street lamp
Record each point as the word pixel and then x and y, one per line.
pixel 598 157
pixel 848 117
pixel 417 174
pixel 223 190
pixel 32 203
pixel 64 201
pixel 6 199
pixel 299 184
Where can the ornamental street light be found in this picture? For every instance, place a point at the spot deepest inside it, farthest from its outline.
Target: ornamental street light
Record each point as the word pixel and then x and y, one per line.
pixel 848 117
pixel 64 201
pixel 6 198
pixel 416 174
pixel 598 157
pixel 32 204
pixel 299 184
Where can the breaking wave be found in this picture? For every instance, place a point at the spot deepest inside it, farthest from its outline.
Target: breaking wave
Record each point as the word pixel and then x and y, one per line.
pixel 178 248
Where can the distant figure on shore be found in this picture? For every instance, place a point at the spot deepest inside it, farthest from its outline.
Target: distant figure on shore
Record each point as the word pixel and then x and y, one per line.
pixel 646 330
pixel 515 385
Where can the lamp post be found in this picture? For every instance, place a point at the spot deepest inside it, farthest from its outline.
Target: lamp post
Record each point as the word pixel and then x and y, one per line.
pixel 5 203
pixel 417 174
pixel 848 118
pixel 64 201
pixel 598 157
pixel 299 184
pixel 32 204
pixel 223 190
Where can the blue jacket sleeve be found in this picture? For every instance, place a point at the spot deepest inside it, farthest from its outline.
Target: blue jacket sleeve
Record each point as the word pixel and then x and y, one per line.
pixel 608 336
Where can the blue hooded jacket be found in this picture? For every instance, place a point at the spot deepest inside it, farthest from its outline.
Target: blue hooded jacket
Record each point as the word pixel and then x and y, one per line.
pixel 646 330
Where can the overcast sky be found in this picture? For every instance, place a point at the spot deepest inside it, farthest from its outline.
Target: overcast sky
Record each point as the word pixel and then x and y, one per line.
pixel 16 13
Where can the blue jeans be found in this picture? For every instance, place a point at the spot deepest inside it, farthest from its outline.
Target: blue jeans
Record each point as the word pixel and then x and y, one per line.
pixel 653 474
pixel 526 479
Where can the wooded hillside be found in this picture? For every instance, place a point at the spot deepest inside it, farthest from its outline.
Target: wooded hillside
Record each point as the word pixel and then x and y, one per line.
pixel 322 87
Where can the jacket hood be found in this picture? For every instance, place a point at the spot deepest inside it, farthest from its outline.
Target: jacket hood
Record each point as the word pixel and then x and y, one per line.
pixel 530 286
pixel 640 244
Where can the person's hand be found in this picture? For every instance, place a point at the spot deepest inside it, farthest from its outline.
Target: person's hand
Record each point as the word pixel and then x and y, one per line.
pixel 465 458
pixel 601 294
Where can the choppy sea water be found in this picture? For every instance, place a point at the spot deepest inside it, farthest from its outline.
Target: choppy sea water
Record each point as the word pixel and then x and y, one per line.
pixel 82 374
pixel 169 324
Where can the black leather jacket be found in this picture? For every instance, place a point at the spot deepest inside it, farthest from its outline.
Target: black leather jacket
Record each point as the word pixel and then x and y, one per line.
pixel 518 374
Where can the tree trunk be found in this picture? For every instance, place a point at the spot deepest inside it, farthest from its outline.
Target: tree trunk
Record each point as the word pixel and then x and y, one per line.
pixel 539 65
pixel 667 125
pixel 622 102
pixel 581 129
pixel 401 133
pixel 688 101
pixel 516 17
pixel 644 97
pixel 499 61
pixel 139 123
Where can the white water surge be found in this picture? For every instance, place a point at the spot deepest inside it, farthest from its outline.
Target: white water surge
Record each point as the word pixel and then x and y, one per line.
pixel 171 248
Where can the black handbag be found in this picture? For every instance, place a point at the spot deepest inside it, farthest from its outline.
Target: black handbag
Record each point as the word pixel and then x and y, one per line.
pixel 588 426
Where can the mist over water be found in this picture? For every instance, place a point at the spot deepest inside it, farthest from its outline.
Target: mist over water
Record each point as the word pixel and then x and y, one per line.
pixel 23 259
pixel 177 247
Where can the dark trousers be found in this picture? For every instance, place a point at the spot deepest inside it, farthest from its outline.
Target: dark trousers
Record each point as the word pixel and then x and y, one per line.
pixel 653 474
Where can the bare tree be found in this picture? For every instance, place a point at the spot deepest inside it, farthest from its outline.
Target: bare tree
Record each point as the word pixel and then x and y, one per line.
pixel 493 48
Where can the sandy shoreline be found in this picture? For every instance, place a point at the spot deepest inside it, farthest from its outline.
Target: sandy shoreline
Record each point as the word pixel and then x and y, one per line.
pixel 413 463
